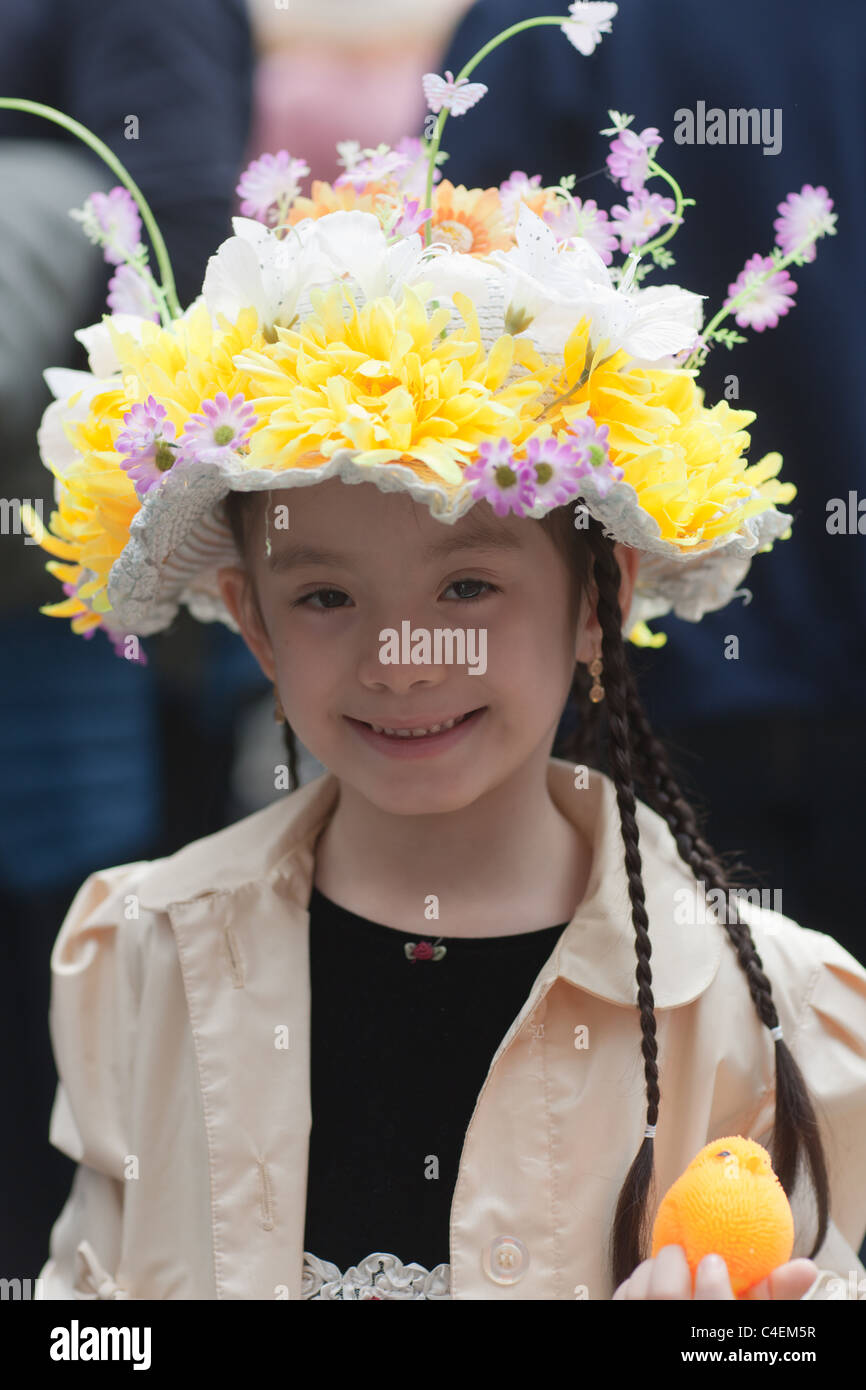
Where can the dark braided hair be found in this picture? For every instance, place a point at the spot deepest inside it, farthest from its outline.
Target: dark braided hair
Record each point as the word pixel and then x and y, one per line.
pixel 636 756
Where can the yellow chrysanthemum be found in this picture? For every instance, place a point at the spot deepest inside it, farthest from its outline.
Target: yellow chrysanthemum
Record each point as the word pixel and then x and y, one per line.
pixel 96 508
pixel 182 365
pixel 385 382
pixel 684 460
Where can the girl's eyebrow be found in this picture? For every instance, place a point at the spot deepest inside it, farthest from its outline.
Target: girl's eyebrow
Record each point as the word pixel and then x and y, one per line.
pixel 480 538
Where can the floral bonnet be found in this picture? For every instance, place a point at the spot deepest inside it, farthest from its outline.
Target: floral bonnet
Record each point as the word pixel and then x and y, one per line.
pixel 462 344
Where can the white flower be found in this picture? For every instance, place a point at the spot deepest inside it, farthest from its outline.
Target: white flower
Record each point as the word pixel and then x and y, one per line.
pixel 74 392
pixel 548 291
pixel 355 243
pixel 258 269
pixel 97 344
pixel 589 20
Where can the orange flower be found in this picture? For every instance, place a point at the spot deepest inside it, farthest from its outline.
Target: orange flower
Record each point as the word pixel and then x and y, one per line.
pixel 469 219
pixel 326 198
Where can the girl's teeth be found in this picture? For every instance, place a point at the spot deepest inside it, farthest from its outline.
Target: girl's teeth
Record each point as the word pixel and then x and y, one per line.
pixel 417 733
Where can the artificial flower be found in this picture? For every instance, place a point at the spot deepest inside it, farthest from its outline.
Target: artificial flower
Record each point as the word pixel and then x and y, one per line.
pixel 380 379
pixel 111 220
pixel 146 446
pixel 411 217
pixel 570 217
pixel 270 184
pixel 548 290
pixel 629 157
pixel 590 19
pixel 517 189
pixel 804 214
pixel 769 295
pixel 497 477
pixel 373 166
pixel 591 443
pixel 556 470
pixel 469 220
pixel 220 430
pixel 645 215
pixel 130 292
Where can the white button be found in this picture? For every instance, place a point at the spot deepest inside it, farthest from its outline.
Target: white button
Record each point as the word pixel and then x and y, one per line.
pixel 505 1260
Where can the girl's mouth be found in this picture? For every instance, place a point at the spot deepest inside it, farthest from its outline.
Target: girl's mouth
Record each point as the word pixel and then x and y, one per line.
pixel 418 741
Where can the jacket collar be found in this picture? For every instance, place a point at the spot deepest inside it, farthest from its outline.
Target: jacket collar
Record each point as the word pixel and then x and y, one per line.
pixel 596 952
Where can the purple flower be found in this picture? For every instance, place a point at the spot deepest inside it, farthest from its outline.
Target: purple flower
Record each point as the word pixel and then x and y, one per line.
pixel 508 484
pixel 414 180
pixel 375 166
pixel 557 469
pixel 269 186
pixel 412 217
pixel 131 293
pixel 585 220
pixel 111 221
pixel 804 214
pixel 220 430
pixel 515 189
pixel 769 295
pixel 591 443
pixel 146 445
pixel 645 215
pixel 629 157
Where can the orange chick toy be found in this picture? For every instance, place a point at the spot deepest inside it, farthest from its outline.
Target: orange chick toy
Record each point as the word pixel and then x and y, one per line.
pixel 728 1202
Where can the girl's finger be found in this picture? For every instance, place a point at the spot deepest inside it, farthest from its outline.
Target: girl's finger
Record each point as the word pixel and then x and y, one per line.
pixel 635 1287
pixel 788 1281
pixel 670 1277
pixel 712 1280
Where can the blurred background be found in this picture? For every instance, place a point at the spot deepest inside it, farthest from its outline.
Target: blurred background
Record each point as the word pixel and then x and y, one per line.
pixel 104 761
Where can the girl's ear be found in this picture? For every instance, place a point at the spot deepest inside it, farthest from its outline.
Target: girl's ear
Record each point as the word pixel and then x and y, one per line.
pixel 239 598
pixel 589 630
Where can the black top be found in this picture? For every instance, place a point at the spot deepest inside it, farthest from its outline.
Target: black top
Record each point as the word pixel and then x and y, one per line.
pixel 400 1049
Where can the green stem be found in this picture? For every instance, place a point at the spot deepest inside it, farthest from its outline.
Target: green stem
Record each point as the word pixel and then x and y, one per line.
pixel 654 169
pixel 169 305
pixel 465 71
pixel 709 332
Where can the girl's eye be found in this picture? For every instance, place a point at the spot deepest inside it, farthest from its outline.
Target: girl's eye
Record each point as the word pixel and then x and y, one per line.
pixel 328 593
pixel 474 584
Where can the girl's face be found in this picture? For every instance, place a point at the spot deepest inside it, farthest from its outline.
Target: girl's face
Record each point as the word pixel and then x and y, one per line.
pixel 354 563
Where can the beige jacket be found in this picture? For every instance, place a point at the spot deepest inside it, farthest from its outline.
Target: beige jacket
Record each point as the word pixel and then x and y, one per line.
pixel 174 981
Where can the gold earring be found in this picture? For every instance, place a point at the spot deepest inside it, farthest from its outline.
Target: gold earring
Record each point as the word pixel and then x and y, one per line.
pixel 597 691
pixel 279 713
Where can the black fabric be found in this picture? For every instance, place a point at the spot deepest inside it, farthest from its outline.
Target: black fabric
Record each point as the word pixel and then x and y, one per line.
pixel 399 1052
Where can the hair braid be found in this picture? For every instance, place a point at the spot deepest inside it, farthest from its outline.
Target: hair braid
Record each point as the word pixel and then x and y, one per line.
pixel 629 1233
pixel 292 754
pixel 796 1127
pixel 636 754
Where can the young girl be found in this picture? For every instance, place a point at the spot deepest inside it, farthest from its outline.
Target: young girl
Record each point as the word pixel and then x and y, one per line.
pixel 448 1020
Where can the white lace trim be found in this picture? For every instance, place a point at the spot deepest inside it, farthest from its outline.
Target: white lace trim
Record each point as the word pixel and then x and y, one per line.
pixel 379 1276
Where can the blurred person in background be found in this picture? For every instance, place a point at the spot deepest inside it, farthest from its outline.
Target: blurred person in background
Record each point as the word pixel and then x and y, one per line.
pixel 774 738
pixel 122 765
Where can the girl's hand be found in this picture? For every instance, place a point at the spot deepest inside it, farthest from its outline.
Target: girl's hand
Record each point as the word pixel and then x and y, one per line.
pixel 667 1276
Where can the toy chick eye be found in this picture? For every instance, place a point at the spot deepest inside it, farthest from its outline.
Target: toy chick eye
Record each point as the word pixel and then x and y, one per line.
pixel 723 1153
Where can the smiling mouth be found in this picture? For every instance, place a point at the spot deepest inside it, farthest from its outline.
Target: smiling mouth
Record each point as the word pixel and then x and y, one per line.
pixel 420 730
